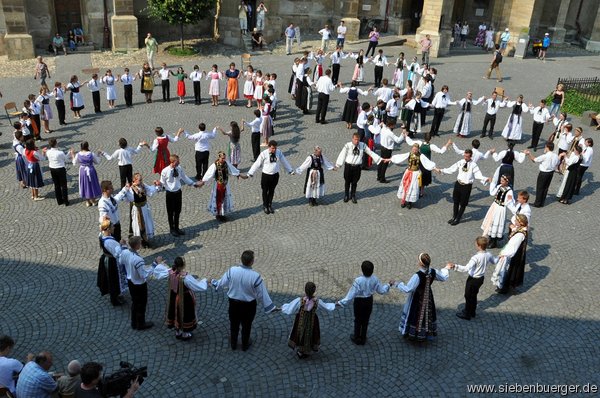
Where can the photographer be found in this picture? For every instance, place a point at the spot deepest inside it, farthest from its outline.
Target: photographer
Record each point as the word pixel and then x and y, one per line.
pixel 90 378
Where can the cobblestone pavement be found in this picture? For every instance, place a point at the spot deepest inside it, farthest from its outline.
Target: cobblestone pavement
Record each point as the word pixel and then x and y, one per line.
pixel 547 334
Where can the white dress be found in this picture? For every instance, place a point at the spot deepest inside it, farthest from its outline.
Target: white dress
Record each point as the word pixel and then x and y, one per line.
pixel 258 88
pixel 508 251
pixel 495 218
pixel 111 90
pixel 76 97
pixel 514 125
pixel 409 186
pixel 249 85
pixel 463 120
pixel 314 188
pixel 150 190
pixel 398 79
pixel 227 206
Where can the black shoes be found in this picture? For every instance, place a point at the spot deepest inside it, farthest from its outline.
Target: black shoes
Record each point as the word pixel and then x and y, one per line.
pixel 464 316
pixel 384 181
pixel 146 325
pixel 346 199
pixel 246 346
pixel 266 210
pixel 271 210
pixel 454 221
pixel 174 233
pixel 354 200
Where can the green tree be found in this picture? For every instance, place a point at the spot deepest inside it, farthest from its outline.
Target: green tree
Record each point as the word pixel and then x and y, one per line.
pixel 180 12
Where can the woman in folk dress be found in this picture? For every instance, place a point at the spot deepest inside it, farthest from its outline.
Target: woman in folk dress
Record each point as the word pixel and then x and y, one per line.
pixel 258 88
pixel 235 151
pixel 221 200
pixel 232 75
pixel 89 186
pixel 213 89
pixel 314 185
pixel 249 76
pixel 514 125
pixel 43 100
pixel 76 99
pixel 400 65
pixel 510 269
pixel 495 218
pixel 181 76
pixel 409 189
pixel 142 223
pixel 462 127
pixel 111 91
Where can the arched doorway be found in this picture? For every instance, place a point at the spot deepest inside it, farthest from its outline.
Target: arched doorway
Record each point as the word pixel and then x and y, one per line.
pixel 68 15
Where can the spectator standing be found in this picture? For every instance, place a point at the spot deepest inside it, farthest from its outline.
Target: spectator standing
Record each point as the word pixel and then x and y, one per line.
pixel 41 71
pixel 290 35
pixel 504 38
pixel 261 10
pixel 545 45
pixel 325 38
pixel 243 17
pixel 373 41
pixel 151 49
pixel 425 47
pixel 341 35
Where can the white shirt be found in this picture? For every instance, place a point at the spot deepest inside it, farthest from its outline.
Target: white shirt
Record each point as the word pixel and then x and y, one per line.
pixel 433 147
pixel 393 107
pixel 498 156
pixel 326 33
pixel 268 166
pixel 364 286
pixel 106 208
pixel 155 142
pixel 293 307
pixel 354 158
pixel 325 85
pixel 245 284
pixel 387 136
pixel 254 125
pixel 565 139
pixel 161 271
pixel 56 159
pixel 384 93
pixel 123 155
pixel 426 92
pixel 492 110
pixel 548 162
pixel 518 208
pixel 337 56
pixel 341 32
pixel 127 79
pixel 196 76
pixel 540 115
pixel 413 283
pixel 380 60
pixel 441 100
pixel 135 266
pixel 586 161
pixel 164 73
pixel 362 119
pixel 467 176
pixel 94 85
pixel 202 139
pixel 477 155
pixel 8 368
pixel 477 264
pixel 171 182
pixel 59 94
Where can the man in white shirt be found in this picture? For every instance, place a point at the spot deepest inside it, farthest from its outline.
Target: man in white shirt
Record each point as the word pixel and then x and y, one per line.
pixel 56 164
pixel 586 161
pixel 387 139
pixel 124 159
pixel 325 38
pixel 492 105
pixel 108 206
pixel 165 83
pixel 269 160
pixel 325 87
pixel 548 163
pixel 244 287
pixel 380 61
pixel 540 117
pixel 468 171
pixel 202 147
pixel 137 275
pixel 171 179
pixel 127 81
pixel 195 77
pixel 94 86
pixel 439 104
pixel 341 35
pixel 336 58
pixel 255 136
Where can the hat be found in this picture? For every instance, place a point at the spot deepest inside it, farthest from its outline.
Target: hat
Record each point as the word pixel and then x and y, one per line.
pixel 506 29
pixel 546 34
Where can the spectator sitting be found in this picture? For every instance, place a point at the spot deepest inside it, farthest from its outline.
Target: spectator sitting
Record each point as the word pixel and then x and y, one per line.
pixel 71 40
pixel 257 39
pixel 69 382
pixel 91 376
pixel 9 367
pixel 78 35
pixel 58 42
pixel 34 380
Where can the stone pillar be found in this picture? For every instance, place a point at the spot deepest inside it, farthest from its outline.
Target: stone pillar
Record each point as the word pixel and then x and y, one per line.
pixel 558 31
pixel 593 44
pixel 519 21
pixel 349 9
pixel 124 26
pixel 18 43
pixel 436 22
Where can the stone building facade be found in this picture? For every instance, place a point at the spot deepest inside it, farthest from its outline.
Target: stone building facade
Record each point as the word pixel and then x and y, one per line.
pixel 27 26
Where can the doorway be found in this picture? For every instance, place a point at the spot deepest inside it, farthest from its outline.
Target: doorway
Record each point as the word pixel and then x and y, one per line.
pixel 68 15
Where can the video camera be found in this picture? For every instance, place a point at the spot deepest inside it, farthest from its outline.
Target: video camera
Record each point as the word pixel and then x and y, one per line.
pixel 119 382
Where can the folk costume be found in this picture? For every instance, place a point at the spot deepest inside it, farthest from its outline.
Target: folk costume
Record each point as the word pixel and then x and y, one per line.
pixel 306 333
pixel 160 146
pixel 510 269
pixel 34 177
pixel 221 200
pixel 506 159
pixel 314 185
pixel 352 105
pixel 358 75
pixel 232 84
pixel 411 179
pixel 514 125
pixel 89 187
pixel 76 99
pixel 111 277
pixel 463 121
pixel 495 218
pixel 141 214
pixel 568 182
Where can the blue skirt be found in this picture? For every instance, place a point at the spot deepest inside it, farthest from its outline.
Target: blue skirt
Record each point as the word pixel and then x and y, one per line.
pixel 34 176
pixel 21 169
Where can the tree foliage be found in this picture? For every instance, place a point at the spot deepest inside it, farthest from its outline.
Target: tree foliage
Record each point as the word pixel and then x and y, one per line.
pixel 181 12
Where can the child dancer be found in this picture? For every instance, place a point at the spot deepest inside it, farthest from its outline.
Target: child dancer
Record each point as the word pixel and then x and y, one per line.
pixel 213 89
pixel 160 146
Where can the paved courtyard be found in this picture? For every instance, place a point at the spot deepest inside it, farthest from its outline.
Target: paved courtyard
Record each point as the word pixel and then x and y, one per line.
pixel 547 334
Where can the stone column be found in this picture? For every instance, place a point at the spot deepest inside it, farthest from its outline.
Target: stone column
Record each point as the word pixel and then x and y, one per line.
pixel 18 43
pixel 436 23
pixel 519 21
pixel 593 44
pixel 124 26
pixel 558 31
pixel 349 9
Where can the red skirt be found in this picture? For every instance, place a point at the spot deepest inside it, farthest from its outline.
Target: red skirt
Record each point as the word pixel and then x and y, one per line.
pixel 180 88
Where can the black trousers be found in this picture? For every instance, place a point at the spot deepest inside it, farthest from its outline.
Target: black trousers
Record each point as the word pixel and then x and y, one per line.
pixel 59 178
pixel 96 101
pixel 241 313
pixel 268 182
pixel 322 103
pixel 166 89
pixel 60 108
pixel 197 93
pixel 579 178
pixel 378 75
pixel 491 120
pixel 541 189
pixel 382 166
pixel 113 282
pixel 335 73
pixel 460 196
pixel 139 300
pixel 536 132
pixel 363 306
pixel 255 138
pixel 173 200
pixel 128 91
pixel 471 290
pixel 438 116
pixel 363 138
pixel 117 232
pixel 351 177
pixel 201 163
pixel 372 46
pixel 126 174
